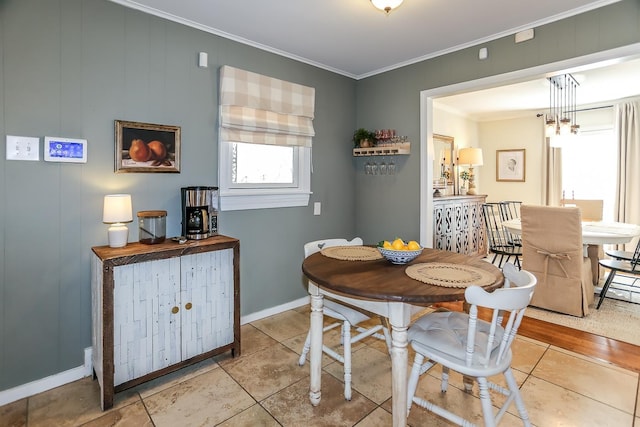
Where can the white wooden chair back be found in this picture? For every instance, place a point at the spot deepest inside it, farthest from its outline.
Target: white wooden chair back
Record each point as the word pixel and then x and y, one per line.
pixel 475 348
pixel 317 245
pixel 512 300
pixel 347 317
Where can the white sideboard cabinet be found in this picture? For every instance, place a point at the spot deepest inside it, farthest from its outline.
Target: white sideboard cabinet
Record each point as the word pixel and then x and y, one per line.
pixel 458 224
pixel 157 308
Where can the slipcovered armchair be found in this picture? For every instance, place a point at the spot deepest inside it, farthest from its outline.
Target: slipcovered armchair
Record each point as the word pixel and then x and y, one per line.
pixel 590 210
pixel 552 250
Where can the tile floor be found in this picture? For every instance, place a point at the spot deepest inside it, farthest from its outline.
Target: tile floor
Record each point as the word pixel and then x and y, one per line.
pixel 266 387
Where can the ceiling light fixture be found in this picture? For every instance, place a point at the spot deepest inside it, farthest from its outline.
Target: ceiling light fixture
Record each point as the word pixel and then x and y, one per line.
pixel 561 119
pixel 386 5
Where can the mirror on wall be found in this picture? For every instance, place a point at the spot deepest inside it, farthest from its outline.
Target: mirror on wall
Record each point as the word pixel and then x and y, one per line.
pixel 443 162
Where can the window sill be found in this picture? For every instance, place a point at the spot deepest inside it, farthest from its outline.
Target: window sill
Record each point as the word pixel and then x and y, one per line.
pixel 236 202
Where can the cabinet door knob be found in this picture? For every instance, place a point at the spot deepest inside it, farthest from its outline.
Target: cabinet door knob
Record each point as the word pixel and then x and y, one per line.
pixel 174 310
pixel 188 306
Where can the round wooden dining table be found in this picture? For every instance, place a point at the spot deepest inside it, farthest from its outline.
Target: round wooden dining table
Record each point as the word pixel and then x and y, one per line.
pixel 382 288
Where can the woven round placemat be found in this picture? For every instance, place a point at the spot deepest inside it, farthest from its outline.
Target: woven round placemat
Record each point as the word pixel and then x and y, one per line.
pixel 352 253
pixel 449 275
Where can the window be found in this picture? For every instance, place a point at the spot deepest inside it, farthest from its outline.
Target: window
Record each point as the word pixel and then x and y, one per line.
pixel 266 126
pixel 263 165
pixel 589 162
pixel 255 176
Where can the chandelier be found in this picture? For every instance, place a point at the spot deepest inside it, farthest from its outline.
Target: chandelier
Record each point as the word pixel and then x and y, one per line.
pixel 386 5
pixel 561 119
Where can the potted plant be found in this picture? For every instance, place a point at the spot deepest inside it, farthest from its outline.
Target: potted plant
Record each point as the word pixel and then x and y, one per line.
pixel 363 138
pixel 464 176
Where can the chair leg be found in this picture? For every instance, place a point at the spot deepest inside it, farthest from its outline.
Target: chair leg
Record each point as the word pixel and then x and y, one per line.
pixel 485 399
pixel 605 288
pixel 412 384
pixel 346 336
pixel 307 343
pixel 387 335
pixel 444 383
pixel 515 392
pixel 305 350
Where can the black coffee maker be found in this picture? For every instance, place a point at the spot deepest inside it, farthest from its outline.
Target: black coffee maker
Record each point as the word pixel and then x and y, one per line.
pixel 199 212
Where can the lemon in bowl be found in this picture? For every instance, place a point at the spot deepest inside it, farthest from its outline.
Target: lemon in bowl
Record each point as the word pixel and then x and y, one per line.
pixel 399 252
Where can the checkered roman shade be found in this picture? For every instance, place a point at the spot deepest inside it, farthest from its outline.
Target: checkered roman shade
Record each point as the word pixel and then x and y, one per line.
pixel 263 110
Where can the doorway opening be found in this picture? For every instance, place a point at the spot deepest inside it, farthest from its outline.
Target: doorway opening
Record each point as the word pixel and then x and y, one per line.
pixel 426 113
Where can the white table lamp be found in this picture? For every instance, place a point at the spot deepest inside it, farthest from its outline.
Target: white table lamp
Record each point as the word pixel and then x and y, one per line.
pixel 471 157
pixel 117 211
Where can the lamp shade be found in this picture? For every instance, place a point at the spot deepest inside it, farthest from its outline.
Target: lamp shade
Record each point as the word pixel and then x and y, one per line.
pixel 117 208
pixel 470 156
pixel 116 211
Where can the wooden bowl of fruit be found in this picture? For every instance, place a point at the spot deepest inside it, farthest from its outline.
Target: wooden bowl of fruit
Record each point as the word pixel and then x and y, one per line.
pixel 398 251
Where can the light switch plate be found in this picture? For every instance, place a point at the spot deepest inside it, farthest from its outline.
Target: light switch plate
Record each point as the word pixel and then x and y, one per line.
pixel 317 207
pixel 23 148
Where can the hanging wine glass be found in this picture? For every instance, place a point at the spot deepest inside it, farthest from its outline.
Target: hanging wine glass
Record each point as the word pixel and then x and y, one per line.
pixel 374 168
pixel 392 167
pixel 383 167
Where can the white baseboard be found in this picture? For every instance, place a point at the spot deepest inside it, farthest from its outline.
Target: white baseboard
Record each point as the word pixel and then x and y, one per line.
pixel 273 310
pixel 44 384
pixel 62 378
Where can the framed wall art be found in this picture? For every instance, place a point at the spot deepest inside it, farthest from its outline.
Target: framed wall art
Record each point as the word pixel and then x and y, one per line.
pixel 510 165
pixel 146 147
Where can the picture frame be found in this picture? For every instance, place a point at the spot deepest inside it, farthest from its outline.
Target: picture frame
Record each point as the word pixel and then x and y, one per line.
pixel 511 165
pixel 146 147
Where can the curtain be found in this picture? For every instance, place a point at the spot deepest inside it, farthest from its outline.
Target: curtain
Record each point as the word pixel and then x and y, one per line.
pixel 262 110
pixel 627 204
pixel 552 185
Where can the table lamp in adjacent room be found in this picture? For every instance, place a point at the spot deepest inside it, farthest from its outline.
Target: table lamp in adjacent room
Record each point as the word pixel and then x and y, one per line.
pixel 471 157
pixel 117 211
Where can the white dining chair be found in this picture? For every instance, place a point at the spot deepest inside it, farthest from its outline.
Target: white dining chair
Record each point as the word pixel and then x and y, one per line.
pixel 473 347
pixel 346 317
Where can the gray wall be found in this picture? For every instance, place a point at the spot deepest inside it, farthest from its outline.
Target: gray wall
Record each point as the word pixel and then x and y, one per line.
pixel 69 68
pixel 392 100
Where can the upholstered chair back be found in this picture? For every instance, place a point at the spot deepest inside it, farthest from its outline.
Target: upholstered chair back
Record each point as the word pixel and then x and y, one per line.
pixel 552 250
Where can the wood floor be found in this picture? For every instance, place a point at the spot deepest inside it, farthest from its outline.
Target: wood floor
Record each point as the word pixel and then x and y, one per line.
pixel 618 353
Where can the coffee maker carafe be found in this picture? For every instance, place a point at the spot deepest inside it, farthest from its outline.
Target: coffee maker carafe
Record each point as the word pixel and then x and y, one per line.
pixel 199 212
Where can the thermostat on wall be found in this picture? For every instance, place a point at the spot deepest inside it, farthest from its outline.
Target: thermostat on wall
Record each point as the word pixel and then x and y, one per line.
pixel 65 150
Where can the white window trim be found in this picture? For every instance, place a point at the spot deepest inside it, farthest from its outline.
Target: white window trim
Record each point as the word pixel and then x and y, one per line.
pixel 232 199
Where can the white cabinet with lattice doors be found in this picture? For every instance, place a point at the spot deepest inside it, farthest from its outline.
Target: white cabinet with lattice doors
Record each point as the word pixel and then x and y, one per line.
pixel 458 225
pixel 170 308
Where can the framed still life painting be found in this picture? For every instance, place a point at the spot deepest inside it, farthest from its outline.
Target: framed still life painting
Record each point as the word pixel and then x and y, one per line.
pixel 146 147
